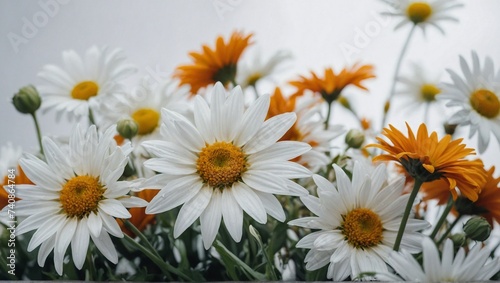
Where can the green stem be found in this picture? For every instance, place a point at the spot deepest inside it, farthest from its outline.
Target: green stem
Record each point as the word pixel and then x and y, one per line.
pixel 141 236
pixel 328 114
pixel 396 72
pixel 164 266
pixel 404 220
pixel 91 117
pixel 455 222
pixel 90 267
pixel 255 91
pixel 38 132
pixel 441 220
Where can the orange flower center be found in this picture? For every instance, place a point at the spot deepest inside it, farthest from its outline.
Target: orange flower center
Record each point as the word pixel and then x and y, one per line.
pixel 253 78
pixel 419 12
pixel 429 92
pixel 221 164
pixel 85 90
pixel 362 228
pixel 485 103
pixel 81 195
pixel 147 120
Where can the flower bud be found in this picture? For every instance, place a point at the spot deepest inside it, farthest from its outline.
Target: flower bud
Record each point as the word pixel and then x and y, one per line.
pixel 450 128
pixel 387 105
pixel 458 239
pixel 127 128
pixel 477 228
pixel 344 102
pixel 27 100
pixel 354 138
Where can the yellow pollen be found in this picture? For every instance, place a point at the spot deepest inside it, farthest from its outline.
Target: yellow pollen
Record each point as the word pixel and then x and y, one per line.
pixel 221 164
pixel 85 90
pixel 362 228
pixel 81 195
pixel 485 103
pixel 147 120
pixel 429 92
pixel 419 12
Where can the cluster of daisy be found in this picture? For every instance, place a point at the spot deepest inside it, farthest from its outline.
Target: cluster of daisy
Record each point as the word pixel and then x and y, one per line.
pixel 140 188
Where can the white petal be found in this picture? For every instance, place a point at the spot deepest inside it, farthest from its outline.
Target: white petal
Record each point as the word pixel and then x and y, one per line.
pixel 233 214
pixel 272 205
pixel 210 219
pixel 191 210
pixel 105 246
pixel 80 243
pixel 114 208
pixel 252 120
pixel 249 202
pixel 271 131
pixel 94 224
pixel 174 194
pixel 264 182
pixel 282 150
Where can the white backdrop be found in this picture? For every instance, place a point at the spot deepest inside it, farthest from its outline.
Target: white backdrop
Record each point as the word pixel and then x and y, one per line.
pixel 157 35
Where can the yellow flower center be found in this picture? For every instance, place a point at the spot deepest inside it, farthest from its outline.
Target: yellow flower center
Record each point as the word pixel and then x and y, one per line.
pixel 85 90
pixel 429 92
pixel 362 228
pixel 147 120
pixel 485 103
pixel 419 12
pixel 221 164
pixel 253 78
pixel 81 195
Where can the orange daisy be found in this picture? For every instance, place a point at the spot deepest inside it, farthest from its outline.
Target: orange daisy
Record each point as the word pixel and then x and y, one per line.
pixel 427 159
pixel 213 65
pixel 306 128
pixel 139 217
pixel 331 85
pixel 20 179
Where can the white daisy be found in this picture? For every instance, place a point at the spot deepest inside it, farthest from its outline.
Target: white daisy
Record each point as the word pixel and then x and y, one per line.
pixel 83 81
pixel 419 89
pixel 76 196
pixel 358 223
pixel 144 107
pixel 475 266
pixel 477 95
pixel 226 162
pixel 256 69
pixel 423 13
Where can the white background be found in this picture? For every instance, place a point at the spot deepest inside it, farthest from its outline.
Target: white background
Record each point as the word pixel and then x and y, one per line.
pixel 157 35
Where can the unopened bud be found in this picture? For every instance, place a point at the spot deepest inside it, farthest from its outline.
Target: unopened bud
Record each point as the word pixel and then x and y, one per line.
pixel 458 239
pixel 127 128
pixel 354 138
pixel 387 105
pixel 450 128
pixel 27 100
pixel 477 228
pixel 344 102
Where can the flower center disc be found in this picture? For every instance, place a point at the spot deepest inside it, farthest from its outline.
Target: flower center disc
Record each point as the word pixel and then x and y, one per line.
pixel 221 164
pixel 485 103
pixel 362 228
pixel 85 90
pixel 429 92
pixel 419 12
pixel 147 120
pixel 81 195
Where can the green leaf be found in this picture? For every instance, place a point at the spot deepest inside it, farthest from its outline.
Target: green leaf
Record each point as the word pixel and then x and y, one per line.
pixel 232 262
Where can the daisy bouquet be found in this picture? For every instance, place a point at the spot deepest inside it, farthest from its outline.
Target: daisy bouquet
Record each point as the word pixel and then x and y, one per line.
pixel 222 172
